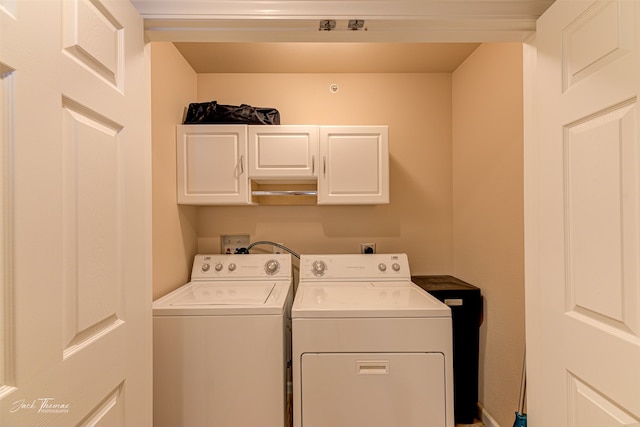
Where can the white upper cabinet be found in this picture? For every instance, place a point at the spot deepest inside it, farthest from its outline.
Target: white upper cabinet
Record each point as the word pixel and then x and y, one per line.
pixel 212 165
pixel 219 164
pixel 283 152
pixel 354 166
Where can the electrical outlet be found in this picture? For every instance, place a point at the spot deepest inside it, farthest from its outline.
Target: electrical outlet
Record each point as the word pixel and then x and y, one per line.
pixel 231 243
pixel 367 248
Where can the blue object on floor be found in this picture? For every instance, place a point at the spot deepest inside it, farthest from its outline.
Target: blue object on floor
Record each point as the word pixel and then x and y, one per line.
pixel 521 420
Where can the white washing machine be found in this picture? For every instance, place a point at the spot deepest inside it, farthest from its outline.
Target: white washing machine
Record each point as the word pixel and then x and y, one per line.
pixel 370 348
pixel 221 344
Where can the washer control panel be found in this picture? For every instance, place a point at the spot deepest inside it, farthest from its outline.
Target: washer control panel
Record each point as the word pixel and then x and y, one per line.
pixel 373 267
pixel 241 266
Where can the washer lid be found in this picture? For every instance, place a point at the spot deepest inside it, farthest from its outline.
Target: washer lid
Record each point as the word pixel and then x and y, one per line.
pixel 211 298
pixel 212 293
pixel 365 299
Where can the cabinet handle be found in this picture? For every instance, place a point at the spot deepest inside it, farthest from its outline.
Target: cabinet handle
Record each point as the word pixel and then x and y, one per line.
pixel 324 165
pixel 313 165
pixel 241 164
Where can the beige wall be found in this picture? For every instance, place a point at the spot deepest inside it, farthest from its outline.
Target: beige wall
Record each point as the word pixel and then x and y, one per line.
pixel 488 212
pixel 417 108
pixel 173 86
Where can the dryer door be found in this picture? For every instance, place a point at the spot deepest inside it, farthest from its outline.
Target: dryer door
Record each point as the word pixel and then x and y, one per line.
pixel 373 390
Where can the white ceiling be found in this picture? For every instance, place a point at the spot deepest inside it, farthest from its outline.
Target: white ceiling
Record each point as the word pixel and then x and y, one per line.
pixel 284 35
pixel 325 57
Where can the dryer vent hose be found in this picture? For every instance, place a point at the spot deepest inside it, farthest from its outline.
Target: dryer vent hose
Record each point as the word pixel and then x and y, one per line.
pixel 277 245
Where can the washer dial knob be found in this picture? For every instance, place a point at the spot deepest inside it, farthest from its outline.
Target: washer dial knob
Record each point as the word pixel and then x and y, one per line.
pixel 382 267
pixel 271 267
pixel 395 266
pixel 318 268
pixel 205 267
pixel 232 266
pixel 218 267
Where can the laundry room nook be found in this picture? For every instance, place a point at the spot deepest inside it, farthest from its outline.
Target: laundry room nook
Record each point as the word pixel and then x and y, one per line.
pixel 455 142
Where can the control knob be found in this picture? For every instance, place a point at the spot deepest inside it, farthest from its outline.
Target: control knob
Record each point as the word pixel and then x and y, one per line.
pixel 272 266
pixel 218 267
pixel 395 266
pixel 232 266
pixel 382 267
pixel 205 267
pixel 318 268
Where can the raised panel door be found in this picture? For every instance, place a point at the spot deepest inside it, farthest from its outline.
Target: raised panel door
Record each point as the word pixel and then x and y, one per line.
pixel 283 152
pixel 354 165
pixel 212 162
pixel 583 228
pixel 76 213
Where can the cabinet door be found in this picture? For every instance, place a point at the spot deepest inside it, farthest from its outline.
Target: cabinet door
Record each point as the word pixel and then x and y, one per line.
pixel 354 165
pixel 283 152
pixel 211 164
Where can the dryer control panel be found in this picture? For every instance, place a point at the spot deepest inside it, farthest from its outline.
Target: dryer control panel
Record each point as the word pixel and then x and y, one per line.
pixel 355 267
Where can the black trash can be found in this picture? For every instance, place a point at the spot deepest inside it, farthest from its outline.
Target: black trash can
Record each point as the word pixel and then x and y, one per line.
pixel 465 302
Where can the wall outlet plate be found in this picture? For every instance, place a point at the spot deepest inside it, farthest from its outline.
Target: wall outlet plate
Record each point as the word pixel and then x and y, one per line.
pixel 367 248
pixel 231 243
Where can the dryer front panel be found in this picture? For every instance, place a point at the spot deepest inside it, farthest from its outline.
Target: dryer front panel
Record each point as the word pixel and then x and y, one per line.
pixel 373 390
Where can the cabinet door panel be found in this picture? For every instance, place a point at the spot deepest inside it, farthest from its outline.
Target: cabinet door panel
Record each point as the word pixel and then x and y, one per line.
pixel 283 152
pixel 355 165
pixel 211 164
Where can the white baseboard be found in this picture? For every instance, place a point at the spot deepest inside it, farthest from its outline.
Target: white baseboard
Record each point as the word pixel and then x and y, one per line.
pixel 486 418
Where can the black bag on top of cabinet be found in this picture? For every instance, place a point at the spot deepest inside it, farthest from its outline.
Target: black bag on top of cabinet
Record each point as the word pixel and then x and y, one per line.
pixel 214 113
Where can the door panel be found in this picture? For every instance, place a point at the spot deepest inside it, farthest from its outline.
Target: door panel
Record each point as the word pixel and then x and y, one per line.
pixel 354 165
pixel 597 39
pixel 602 217
pixel 211 164
pixel 583 360
pixel 93 37
pixel 76 284
pixel 283 151
pixel 92 231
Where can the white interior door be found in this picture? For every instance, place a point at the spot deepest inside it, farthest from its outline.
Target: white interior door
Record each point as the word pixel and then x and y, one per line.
pixel 583 265
pixel 75 283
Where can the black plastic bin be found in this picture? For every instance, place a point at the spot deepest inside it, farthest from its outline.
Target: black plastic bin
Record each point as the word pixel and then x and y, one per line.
pixel 465 302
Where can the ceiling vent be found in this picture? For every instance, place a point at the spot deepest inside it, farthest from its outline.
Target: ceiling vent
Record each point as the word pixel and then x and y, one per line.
pixel 327 25
pixel 356 24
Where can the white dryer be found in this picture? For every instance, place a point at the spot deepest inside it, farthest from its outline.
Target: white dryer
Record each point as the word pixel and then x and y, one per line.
pixel 370 348
pixel 221 344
